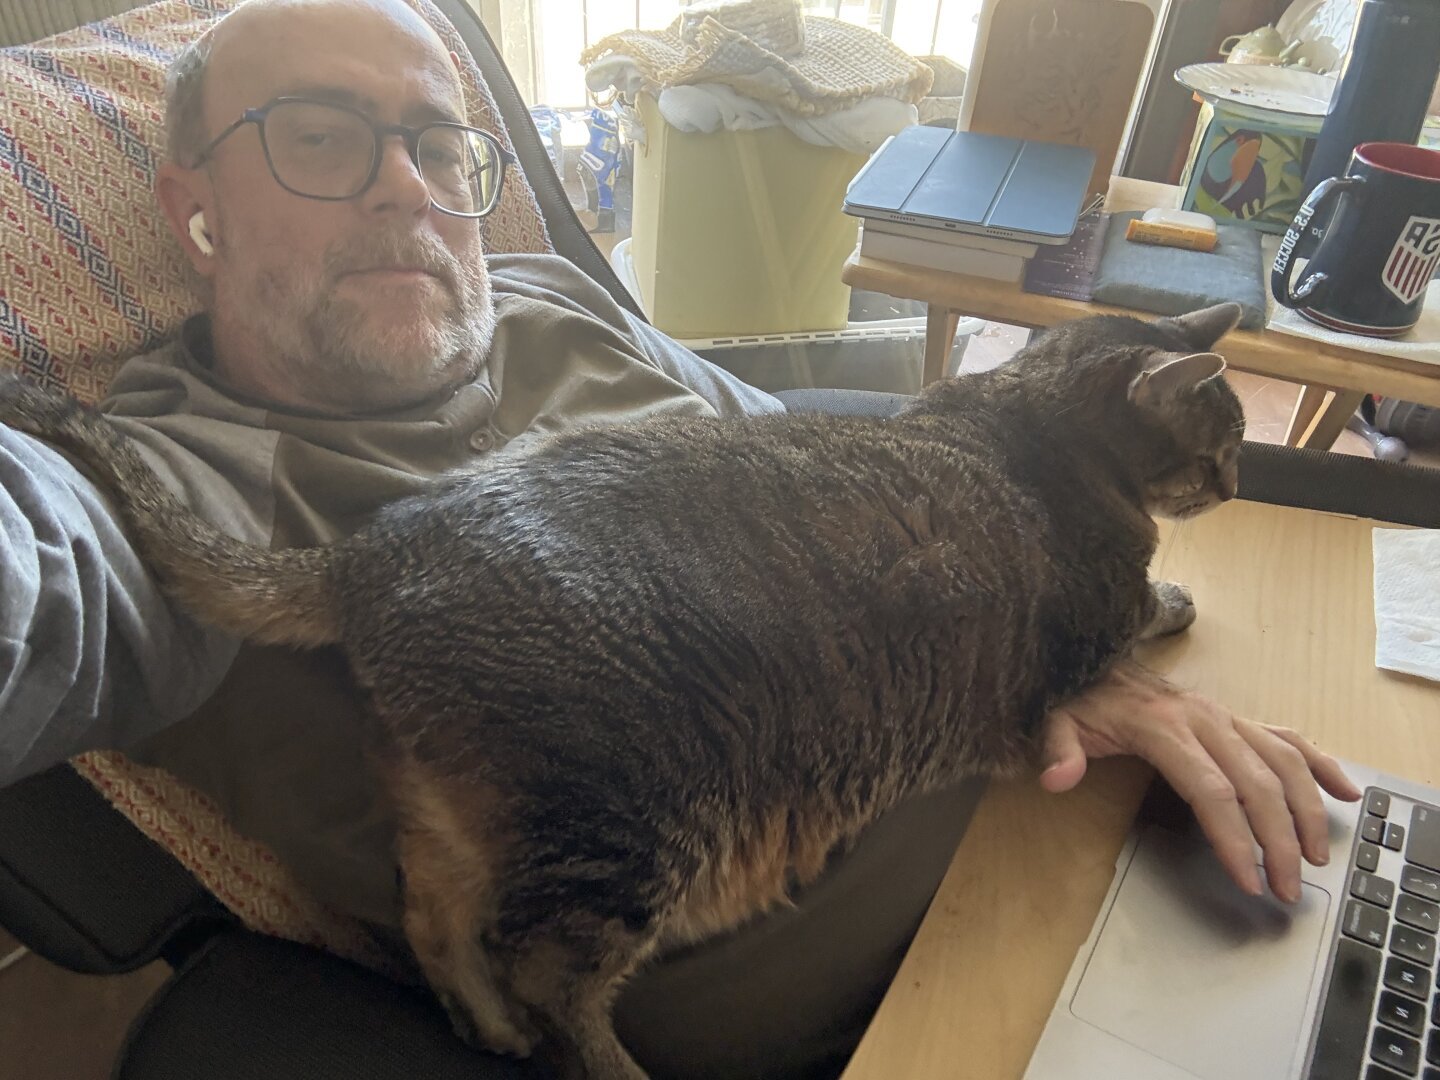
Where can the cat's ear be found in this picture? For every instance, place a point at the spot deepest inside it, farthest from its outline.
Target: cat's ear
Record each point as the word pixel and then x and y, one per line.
pixel 1202 329
pixel 1172 375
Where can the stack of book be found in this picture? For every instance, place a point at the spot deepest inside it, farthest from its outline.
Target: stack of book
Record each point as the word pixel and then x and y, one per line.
pixel 938 248
pixel 966 202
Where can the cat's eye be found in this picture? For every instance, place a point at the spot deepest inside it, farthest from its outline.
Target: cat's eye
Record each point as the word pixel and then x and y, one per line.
pixel 1208 467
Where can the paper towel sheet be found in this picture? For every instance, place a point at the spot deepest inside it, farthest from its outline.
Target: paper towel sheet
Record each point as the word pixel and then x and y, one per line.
pixel 1420 343
pixel 1407 601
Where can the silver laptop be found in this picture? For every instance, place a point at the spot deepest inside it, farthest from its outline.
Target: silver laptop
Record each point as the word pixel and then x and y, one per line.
pixel 1183 976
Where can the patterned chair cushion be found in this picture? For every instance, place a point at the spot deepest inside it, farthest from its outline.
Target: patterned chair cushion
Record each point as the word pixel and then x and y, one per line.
pixel 90 275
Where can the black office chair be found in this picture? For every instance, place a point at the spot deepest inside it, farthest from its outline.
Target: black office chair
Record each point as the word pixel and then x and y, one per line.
pixel 1341 484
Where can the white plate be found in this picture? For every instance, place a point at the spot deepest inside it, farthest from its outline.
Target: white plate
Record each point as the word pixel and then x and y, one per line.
pixel 1260 89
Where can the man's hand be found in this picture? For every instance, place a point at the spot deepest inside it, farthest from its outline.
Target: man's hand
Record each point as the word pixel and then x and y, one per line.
pixel 1246 782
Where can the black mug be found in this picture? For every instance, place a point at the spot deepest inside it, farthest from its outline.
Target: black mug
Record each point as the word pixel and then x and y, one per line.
pixel 1369 273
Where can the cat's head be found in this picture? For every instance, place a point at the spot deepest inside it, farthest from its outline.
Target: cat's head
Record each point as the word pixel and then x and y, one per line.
pixel 1165 404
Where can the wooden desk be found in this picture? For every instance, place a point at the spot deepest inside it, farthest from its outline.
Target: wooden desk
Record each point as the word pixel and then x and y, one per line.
pixel 1285 634
pixel 1334 378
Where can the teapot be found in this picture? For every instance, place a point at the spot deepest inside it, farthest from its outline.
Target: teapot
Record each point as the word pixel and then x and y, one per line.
pixel 1262 46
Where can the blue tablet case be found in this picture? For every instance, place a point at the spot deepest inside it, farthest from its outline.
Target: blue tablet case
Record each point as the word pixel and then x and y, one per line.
pixel 990 185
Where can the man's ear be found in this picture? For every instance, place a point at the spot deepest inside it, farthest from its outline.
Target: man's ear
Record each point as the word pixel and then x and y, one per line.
pixel 1172 375
pixel 1202 329
pixel 183 193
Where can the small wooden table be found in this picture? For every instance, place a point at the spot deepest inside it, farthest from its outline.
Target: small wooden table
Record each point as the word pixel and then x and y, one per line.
pixel 1334 378
pixel 1285 634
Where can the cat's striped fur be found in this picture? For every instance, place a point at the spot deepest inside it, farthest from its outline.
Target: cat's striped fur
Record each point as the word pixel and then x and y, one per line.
pixel 636 684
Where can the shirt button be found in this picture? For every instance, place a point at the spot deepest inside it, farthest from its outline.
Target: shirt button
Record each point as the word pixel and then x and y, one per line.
pixel 482 440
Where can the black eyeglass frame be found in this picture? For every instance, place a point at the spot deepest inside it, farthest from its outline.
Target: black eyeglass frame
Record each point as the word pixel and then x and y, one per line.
pixel 411 135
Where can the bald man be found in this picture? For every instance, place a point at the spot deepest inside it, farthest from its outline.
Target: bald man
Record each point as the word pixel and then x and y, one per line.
pixel 338 305
pixel 354 343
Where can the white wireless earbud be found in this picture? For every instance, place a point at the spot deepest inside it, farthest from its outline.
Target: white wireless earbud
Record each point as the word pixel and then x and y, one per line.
pixel 200 234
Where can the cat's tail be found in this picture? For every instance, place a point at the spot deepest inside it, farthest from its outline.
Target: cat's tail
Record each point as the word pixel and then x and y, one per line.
pixel 277 598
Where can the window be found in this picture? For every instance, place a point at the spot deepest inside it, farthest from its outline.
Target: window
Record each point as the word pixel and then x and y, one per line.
pixel 541 40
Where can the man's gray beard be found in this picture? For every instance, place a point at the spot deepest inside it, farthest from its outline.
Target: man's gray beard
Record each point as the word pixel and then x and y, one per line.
pixel 334 351
pixel 344 341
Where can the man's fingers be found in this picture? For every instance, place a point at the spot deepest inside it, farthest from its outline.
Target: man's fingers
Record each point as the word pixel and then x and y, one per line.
pixel 1307 808
pixel 1065 758
pixel 1323 767
pixel 1197 779
pixel 1246 783
pixel 1262 795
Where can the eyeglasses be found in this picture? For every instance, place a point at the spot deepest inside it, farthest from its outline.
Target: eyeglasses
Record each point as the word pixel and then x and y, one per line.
pixel 319 150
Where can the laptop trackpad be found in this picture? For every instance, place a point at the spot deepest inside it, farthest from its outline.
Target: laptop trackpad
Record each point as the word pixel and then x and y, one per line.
pixel 1194 972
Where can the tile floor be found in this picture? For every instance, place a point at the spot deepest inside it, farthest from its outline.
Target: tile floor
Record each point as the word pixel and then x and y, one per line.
pixel 55 1025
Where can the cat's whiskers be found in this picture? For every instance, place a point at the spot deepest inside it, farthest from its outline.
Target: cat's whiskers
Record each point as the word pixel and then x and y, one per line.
pixel 1178 528
pixel 1256 392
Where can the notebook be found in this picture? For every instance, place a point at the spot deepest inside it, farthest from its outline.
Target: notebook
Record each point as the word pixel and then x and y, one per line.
pixel 1069 270
pixel 989 185
pixel 1183 977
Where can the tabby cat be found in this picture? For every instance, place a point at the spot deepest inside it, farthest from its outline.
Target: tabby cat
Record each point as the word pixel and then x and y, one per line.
pixel 634 684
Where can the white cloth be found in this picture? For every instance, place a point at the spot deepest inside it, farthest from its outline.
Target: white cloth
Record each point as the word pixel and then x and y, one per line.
pixel 710 107
pixel 705 108
pixel 615 71
pixel 1407 601
pixel 1421 343
pixel 861 129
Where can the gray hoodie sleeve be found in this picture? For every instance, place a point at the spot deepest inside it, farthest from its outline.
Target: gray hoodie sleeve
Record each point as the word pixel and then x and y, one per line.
pixel 91 654
pixel 727 394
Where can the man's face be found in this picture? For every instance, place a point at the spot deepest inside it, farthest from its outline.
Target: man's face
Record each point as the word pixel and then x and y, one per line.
pixel 373 302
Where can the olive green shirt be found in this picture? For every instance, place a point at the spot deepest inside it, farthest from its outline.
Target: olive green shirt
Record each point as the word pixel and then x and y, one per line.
pixel 281 744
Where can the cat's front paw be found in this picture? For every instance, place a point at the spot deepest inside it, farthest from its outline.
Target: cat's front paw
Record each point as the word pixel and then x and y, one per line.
pixel 500 1035
pixel 461 1022
pixel 1174 609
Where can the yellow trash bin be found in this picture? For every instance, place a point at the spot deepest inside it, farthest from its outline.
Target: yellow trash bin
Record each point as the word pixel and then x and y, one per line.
pixel 739 232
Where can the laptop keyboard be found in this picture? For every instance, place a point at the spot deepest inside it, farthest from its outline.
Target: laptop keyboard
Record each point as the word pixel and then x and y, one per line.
pixel 1381 1018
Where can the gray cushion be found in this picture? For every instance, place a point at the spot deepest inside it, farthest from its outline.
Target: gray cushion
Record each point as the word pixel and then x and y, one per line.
pixel 1172 281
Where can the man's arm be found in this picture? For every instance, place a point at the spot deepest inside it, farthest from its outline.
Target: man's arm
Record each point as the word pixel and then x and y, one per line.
pixel 1248 783
pixel 91 654
pixel 728 395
